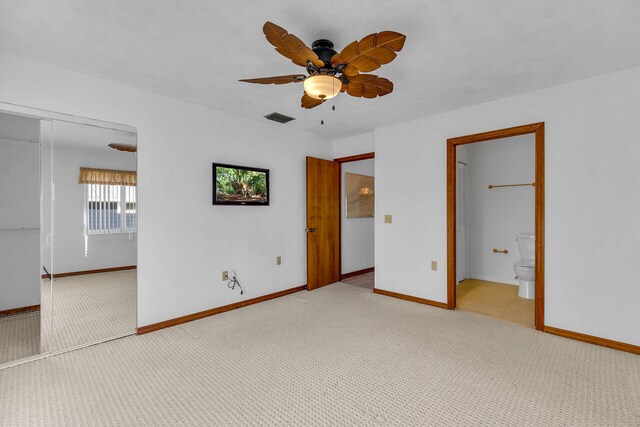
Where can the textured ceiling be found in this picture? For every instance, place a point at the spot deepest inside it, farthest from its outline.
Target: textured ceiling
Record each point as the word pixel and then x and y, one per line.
pixel 79 136
pixel 458 52
pixel 64 134
pixel 19 128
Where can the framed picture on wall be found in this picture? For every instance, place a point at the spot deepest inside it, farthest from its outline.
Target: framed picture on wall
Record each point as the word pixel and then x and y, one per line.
pixel 359 191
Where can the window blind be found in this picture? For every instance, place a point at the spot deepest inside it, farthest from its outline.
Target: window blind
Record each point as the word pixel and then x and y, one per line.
pixel 110 209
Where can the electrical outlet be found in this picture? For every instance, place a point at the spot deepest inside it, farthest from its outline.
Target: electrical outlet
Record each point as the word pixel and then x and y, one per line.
pixel 225 276
pixel 278 260
pixel 388 219
pixel 434 265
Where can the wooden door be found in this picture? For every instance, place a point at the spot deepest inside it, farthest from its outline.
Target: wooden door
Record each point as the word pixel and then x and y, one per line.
pixel 323 222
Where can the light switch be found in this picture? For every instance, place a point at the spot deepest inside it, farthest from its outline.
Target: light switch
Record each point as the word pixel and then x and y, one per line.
pixel 388 219
pixel 278 260
pixel 434 265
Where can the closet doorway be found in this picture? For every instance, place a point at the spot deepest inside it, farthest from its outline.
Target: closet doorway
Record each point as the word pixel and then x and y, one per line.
pixel 459 262
pixel 68 227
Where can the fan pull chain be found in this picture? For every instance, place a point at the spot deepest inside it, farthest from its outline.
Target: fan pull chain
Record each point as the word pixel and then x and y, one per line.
pixel 333 83
pixel 333 107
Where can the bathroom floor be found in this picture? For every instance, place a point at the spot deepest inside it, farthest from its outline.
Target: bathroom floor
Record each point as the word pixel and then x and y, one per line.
pixel 497 300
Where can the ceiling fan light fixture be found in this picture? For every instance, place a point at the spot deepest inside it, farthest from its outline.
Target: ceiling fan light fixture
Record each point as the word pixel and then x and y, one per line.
pixel 322 86
pixel 323 64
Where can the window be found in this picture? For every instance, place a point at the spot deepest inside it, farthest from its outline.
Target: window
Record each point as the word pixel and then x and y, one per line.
pixel 110 209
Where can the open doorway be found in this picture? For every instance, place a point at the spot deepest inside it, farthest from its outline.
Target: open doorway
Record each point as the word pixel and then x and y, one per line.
pixel 357 188
pixel 495 232
pixel 334 227
pixel 494 228
pixel 21 221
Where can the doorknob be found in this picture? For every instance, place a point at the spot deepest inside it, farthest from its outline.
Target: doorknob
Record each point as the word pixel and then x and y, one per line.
pixel 310 230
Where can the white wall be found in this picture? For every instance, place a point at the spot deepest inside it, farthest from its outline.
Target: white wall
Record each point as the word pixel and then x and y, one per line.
pixel 184 243
pixel 494 217
pixel 357 233
pixel 359 144
pixel 592 222
pixel 19 209
pixel 592 200
pixel 103 251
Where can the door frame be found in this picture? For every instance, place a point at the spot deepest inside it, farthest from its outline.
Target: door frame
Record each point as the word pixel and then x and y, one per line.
pixel 340 161
pixel 538 130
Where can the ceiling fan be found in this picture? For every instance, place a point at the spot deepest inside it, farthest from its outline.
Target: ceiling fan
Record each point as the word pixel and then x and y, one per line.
pixel 124 147
pixel 330 72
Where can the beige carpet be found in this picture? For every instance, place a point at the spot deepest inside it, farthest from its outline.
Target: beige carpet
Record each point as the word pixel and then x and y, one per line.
pixel 92 307
pixel 19 336
pixel 366 280
pixel 79 310
pixel 340 355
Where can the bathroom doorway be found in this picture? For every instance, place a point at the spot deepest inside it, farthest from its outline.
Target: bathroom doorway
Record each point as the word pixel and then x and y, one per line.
pixel 495 227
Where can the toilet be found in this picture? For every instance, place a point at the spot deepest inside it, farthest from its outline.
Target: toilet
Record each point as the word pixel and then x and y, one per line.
pixel 525 267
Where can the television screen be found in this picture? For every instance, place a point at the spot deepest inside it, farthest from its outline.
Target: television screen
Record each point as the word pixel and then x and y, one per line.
pixel 240 185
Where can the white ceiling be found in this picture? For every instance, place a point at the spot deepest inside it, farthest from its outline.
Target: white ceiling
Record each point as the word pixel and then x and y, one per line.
pixel 64 134
pixel 81 136
pixel 19 128
pixel 458 52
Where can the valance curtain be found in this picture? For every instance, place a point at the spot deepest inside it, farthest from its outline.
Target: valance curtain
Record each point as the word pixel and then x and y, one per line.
pixel 107 176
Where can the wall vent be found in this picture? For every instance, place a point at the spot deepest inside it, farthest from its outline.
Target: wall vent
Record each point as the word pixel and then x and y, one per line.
pixel 280 118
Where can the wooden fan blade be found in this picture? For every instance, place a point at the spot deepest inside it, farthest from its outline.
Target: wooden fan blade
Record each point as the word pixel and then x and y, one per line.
pixel 290 46
pixel 368 86
pixel 309 102
pixel 124 147
pixel 349 70
pixel 277 80
pixel 371 52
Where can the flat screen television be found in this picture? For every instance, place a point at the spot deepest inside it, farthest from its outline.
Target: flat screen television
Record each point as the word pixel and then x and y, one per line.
pixel 240 185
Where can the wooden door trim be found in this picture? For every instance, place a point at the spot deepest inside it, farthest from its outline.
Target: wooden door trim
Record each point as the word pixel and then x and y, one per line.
pixel 340 161
pixel 538 130
pixel 355 158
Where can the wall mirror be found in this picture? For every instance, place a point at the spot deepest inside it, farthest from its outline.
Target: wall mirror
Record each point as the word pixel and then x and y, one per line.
pixel 21 259
pixel 68 235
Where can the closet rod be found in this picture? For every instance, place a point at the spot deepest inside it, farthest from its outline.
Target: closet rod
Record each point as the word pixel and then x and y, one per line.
pixel 533 184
